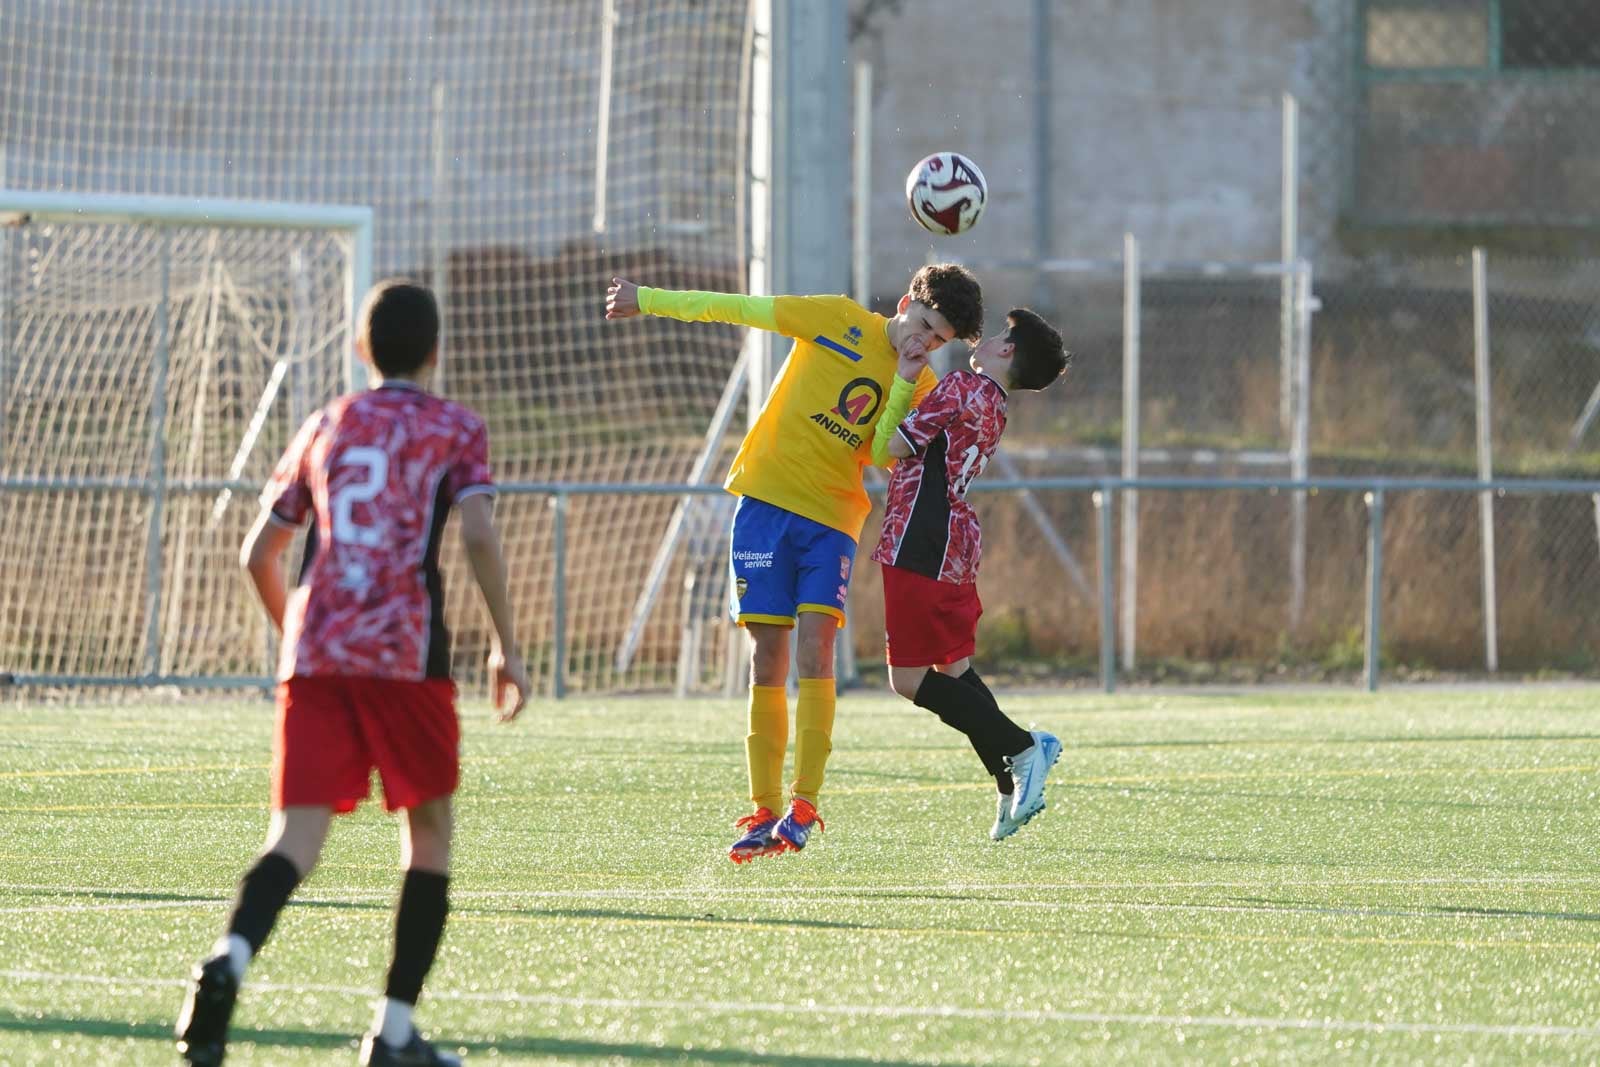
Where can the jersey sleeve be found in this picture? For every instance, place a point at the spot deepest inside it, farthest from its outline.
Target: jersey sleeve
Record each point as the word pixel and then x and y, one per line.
pixel 827 320
pixel 470 473
pixel 938 409
pixel 287 494
pixel 693 305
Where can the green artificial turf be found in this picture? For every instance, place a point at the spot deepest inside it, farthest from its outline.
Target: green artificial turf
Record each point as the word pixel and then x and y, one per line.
pixel 1225 877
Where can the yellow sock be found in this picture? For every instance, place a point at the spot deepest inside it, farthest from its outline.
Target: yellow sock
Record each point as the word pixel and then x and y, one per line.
pixel 765 745
pixel 813 735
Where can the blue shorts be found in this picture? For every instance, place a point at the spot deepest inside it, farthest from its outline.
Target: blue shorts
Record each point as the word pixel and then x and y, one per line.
pixel 783 564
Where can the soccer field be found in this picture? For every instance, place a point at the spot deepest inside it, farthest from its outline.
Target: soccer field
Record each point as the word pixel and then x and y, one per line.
pixel 1223 877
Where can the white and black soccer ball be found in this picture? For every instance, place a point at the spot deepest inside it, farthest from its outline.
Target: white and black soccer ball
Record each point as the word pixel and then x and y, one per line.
pixel 946 193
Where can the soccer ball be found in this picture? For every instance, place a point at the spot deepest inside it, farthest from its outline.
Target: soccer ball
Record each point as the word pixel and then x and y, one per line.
pixel 946 193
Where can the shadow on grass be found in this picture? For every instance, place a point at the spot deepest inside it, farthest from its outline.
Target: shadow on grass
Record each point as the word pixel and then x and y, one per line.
pixel 204 898
pixel 569 1049
pixel 687 919
pixel 114 1029
pixel 1442 911
pixel 692 920
pixel 1312 742
pixel 122 894
pixel 1313 798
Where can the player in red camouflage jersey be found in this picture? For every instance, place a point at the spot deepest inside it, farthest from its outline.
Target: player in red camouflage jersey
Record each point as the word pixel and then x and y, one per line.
pixel 364 675
pixel 930 543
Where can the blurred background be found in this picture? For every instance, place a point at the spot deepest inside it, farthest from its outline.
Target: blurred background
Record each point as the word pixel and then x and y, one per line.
pixel 1284 238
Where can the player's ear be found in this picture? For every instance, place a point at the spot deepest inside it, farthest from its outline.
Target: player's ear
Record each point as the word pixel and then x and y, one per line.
pixel 364 350
pixel 905 302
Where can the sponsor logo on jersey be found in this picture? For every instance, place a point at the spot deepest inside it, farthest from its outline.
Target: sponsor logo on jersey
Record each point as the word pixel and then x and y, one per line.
pixel 844 568
pixel 858 402
pixel 838 430
pixel 858 405
pixel 752 561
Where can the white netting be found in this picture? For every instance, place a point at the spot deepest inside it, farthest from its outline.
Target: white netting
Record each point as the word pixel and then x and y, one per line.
pixel 142 354
pixel 474 131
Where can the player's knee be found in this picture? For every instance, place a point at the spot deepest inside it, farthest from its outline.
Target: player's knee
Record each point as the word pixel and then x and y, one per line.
pixel 433 820
pixel 426 844
pixel 297 834
pixel 904 685
pixel 815 645
pixel 769 655
pixel 301 851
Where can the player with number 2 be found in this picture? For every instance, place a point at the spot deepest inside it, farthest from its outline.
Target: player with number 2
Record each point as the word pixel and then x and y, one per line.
pixel 364 675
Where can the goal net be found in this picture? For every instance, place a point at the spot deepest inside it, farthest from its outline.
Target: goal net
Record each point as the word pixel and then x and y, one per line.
pixel 515 157
pixel 151 354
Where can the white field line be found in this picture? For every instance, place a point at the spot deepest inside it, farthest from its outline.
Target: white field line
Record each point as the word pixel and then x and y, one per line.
pixel 874 1011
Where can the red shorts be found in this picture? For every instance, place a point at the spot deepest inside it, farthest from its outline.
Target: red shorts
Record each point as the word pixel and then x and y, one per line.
pixel 928 622
pixel 332 731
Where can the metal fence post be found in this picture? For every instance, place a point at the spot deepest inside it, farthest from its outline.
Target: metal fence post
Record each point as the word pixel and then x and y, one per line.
pixel 1374 584
pixel 1131 322
pixel 1104 500
pixel 1041 196
pixel 7 315
pixel 558 636
pixel 1484 389
pixel 1300 441
pixel 158 463
pixel 439 236
pixel 1289 253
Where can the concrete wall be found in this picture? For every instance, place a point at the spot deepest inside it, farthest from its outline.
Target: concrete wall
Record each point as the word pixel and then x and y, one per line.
pixel 1165 121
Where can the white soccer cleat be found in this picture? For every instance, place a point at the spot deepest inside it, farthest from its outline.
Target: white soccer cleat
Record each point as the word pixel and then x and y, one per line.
pixel 1028 769
pixel 1003 826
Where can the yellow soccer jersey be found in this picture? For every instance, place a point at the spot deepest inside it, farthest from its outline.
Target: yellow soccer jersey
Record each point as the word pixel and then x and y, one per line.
pixel 806 451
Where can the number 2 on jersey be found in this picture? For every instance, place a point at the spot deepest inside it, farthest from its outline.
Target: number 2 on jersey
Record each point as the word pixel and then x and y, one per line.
pixel 972 465
pixel 345 527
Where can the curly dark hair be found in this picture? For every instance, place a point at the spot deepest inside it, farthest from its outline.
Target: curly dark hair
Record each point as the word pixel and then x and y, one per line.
pixel 1040 356
pixel 952 291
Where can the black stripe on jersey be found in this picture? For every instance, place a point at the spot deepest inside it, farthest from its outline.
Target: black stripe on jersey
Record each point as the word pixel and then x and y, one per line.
pixel 310 551
pixel 438 633
pixel 927 534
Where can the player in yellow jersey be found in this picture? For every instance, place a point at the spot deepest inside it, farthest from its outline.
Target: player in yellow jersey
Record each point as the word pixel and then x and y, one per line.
pixel 802 504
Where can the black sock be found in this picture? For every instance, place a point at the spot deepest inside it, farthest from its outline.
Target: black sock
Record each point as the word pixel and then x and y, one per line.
pixel 263 892
pixel 418 926
pixel 1010 737
pixel 965 709
pixel 972 679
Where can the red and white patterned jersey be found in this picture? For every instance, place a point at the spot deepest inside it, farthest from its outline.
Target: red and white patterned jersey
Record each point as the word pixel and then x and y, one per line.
pixel 928 526
pixel 377 472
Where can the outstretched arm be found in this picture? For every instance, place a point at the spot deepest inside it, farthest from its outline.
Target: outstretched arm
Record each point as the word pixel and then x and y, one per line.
pixel 624 300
